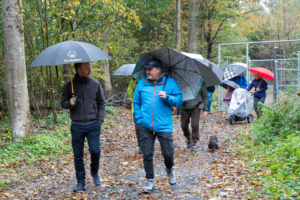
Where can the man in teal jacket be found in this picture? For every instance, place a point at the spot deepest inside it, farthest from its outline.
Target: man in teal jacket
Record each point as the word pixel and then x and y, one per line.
pixel 153 101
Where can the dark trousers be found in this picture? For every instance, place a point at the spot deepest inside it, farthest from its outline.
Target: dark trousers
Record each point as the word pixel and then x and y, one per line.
pixel 256 108
pixel 167 147
pixel 186 117
pixel 92 133
pixel 137 132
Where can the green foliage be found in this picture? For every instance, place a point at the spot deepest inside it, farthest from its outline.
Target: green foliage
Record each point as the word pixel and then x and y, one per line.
pixel 110 110
pixel 32 148
pixel 273 148
pixel 283 120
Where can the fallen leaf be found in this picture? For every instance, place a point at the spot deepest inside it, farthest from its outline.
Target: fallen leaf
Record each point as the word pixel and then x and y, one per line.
pixel 254 183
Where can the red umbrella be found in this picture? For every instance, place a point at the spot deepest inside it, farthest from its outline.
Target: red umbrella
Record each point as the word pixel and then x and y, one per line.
pixel 264 73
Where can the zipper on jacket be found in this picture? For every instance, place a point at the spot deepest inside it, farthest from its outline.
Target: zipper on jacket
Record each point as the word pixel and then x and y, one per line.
pixel 153 107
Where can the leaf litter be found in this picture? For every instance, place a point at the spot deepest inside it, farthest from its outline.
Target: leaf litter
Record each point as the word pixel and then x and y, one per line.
pixel 200 175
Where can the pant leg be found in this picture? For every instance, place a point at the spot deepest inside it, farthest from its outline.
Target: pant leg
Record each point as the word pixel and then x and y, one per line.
pixel 195 116
pixel 185 121
pixel 147 147
pixel 167 147
pixel 93 138
pixel 178 110
pixel 78 135
pixel 137 132
pixel 210 94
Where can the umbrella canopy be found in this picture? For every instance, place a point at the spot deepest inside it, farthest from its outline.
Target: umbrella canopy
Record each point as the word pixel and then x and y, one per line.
pixel 125 70
pixel 229 73
pixel 189 70
pixel 238 67
pixel 229 83
pixel 264 73
pixel 69 52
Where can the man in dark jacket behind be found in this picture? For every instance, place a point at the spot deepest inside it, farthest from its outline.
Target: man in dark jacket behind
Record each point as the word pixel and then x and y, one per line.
pixel 87 112
pixel 190 110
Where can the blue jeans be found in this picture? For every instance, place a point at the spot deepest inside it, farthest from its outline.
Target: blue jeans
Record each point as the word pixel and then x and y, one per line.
pixel 92 133
pixel 210 94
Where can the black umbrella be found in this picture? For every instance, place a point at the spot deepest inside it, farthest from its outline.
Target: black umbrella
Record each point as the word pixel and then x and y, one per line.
pixel 69 52
pixel 229 83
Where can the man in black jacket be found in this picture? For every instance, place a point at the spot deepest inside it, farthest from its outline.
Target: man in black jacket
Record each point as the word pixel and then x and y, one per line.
pixel 87 112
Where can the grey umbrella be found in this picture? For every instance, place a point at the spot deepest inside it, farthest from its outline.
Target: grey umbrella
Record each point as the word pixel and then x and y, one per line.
pixel 69 52
pixel 229 83
pixel 125 70
pixel 238 67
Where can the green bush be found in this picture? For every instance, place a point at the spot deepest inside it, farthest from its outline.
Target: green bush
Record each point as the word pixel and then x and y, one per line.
pixel 31 148
pixel 110 110
pixel 282 120
pixel 274 150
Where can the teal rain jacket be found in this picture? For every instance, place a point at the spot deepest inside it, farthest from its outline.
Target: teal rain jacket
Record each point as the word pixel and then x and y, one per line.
pixel 153 112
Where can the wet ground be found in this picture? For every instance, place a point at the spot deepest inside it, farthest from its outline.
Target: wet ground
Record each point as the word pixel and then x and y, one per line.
pixel 200 175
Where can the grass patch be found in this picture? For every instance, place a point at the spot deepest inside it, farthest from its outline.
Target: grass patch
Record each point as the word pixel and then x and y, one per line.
pixel 273 150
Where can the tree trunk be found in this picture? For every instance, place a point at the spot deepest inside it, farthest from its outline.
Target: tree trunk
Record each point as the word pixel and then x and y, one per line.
pixel 15 69
pixel 192 36
pixel 107 82
pixel 202 28
pixel 66 73
pixel 178 10
pixel 50 82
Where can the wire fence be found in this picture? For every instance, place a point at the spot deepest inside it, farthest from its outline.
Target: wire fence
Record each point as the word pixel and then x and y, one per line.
pixel 261 54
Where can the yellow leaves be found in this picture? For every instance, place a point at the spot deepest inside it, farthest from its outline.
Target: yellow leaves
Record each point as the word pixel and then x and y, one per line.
pixel 213 191
pixel 216 171
pixel 255 183
pixel 73 12
pixel 157 181
pixel 260 173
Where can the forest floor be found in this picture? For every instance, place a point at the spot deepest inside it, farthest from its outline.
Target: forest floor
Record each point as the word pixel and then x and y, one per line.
pixel 200 175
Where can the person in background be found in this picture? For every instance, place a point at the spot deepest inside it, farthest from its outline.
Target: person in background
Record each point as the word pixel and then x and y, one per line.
pixel 190 111
pixel 260 87
pixel 153 100
pixel 228 95
pixel 210 91
pixel 240 80
pixel 130 94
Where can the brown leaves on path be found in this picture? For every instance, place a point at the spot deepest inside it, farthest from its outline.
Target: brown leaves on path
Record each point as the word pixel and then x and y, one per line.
pixel 200 175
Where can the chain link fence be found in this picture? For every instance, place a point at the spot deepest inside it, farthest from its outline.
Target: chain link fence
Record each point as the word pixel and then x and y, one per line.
pixel 261 54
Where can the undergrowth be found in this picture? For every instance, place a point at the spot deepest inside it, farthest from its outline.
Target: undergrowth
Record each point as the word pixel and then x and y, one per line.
pixel 272 148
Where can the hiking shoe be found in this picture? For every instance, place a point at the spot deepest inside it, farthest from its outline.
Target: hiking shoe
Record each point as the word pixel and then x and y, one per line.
pixel 96 179
pixel 194 148
pixel 171 176
pixel 149 188
pixel 188 144
pixel 79 187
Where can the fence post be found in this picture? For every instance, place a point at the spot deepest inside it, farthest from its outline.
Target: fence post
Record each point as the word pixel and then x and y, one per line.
pixel 247 62
pixel 219 87
pixel 275 76
pixel 298 70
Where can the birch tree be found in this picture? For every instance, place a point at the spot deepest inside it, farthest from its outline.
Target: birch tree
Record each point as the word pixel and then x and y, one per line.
pixel 15 70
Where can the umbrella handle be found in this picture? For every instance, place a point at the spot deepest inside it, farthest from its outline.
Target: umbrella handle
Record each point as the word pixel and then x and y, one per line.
pixel 71 81
pixel 259 84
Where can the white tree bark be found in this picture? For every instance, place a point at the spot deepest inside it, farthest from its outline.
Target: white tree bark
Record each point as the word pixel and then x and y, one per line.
pixel 15 69
pixel 193 34
pixel 178 10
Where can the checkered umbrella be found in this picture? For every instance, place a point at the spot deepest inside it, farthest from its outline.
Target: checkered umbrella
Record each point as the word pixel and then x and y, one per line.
pixel 229 73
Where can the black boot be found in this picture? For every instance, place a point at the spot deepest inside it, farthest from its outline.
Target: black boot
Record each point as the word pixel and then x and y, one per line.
pixel 96 179
pixel 79 187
